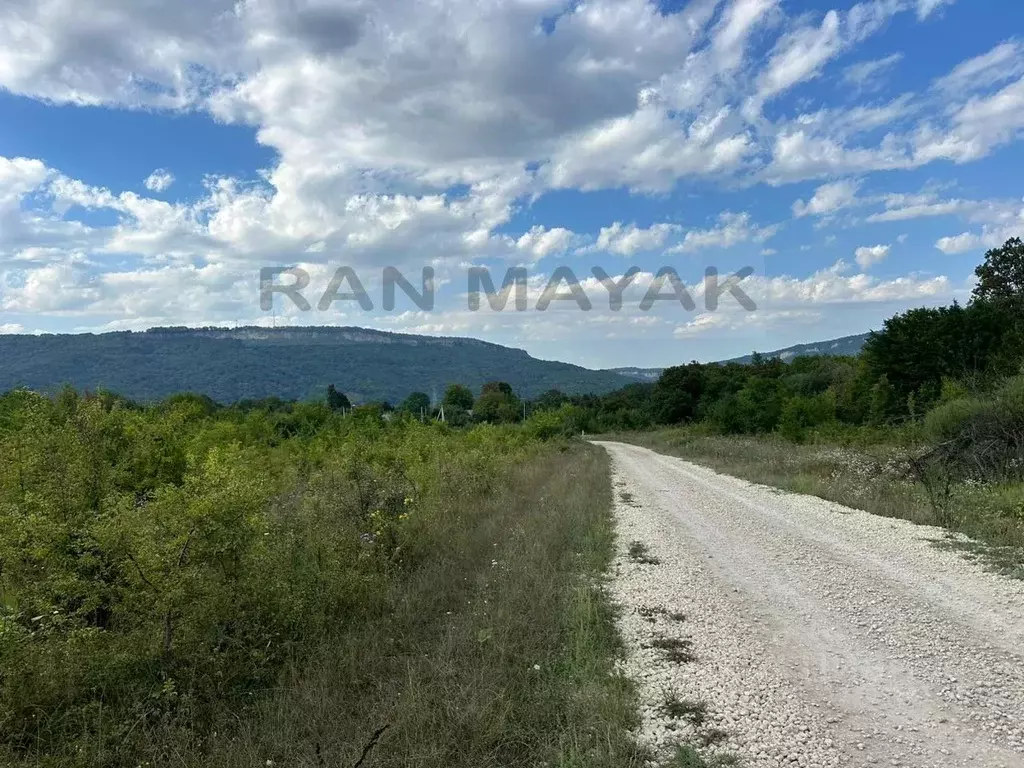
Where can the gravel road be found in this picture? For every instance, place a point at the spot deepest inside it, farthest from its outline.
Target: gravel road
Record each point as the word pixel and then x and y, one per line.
pixel 820 635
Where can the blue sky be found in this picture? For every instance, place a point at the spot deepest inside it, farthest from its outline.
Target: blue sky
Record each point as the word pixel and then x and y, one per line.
pixel 861 157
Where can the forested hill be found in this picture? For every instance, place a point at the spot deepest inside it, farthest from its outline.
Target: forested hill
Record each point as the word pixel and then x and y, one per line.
pixel 290 363
pixel 844 347
pixel 847 346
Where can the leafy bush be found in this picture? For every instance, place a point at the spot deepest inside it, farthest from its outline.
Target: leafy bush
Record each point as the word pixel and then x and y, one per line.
pixel 802 413
pixel 157 562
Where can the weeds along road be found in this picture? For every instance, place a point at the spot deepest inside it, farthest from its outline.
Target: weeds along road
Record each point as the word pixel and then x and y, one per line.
pixel 790 631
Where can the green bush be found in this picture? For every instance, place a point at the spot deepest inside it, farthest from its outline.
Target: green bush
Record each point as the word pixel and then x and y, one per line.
pixel 157 562
pixel 802 413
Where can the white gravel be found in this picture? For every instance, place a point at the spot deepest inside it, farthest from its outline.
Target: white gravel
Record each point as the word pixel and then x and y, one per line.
pixel 821 636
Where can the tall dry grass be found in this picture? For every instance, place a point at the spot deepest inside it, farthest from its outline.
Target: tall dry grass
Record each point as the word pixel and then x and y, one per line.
pixel 498 651
pixel 874 476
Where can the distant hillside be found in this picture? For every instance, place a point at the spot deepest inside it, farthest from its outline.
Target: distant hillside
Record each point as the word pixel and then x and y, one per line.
pixel 638 374
pixel 848 345
pixel 230 365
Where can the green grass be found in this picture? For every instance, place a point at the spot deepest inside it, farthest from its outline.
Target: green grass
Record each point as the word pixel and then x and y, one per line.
pixel 641 553
pixel 497 648
pixel 498 652
pixel 870 474
pixel 676 650
pixel 695 712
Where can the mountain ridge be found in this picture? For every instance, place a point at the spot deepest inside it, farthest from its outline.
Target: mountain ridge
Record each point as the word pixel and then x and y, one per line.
pixel 299 362
pixel 252 362
pixel 840 347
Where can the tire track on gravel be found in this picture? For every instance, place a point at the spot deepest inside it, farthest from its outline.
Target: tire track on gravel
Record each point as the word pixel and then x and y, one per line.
pixel 824 636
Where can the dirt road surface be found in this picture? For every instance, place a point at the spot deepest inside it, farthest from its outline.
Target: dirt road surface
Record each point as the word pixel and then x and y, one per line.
pixel 813 634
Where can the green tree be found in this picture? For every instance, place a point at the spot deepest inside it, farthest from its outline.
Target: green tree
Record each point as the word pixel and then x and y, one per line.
pixel 1001 275
pixel 337 401
pixel 458 398
pixel 416 403
pixel 551 400
pixel 497 404
pixel 677 394
pixel 883 402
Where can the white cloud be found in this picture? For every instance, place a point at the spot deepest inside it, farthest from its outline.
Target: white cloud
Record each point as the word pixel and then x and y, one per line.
pixel 961 243
pixel 785 299
pixel 18 177
pixel 992 235
pixel 739 21
pixel 712 322
pixel 732 229
pixel 828 198
pixel 866 256
pixel 900 209
pixel 159 180
pixel 837 285
pixel 800 56
pixel 630 240
pixel 540 242
pixel 926 8
pixel 375 111
pixel 1002 63
pixel 868 75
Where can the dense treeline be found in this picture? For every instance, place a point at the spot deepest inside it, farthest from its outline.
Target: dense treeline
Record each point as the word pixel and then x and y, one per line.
pixel 918 360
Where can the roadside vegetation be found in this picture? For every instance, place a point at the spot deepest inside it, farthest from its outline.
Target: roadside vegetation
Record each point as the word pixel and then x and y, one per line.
pixel 326 584
pixel 927 423
pixel 184 584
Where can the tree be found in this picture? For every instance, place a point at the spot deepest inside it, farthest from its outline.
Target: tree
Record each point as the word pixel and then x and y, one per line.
pixel 497 387
pixel 883 401
pixel 1001 276
pixel 677 394
pixel 916 350
pixel 458 398
pixel 336 400
pixel 497 404
pixel 416 403
pixel 551 400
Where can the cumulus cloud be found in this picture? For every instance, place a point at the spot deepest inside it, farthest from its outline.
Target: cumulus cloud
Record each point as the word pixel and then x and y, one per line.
pixel 629 240
pixel 998 219
pixel 540 242
pixel 732 229
pixel 418 133
pixel 991 235
pixel 159 180
pixel 828 198
pixel 866 256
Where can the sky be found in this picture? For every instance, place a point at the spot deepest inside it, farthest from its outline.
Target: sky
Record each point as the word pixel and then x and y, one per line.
pixel 860 158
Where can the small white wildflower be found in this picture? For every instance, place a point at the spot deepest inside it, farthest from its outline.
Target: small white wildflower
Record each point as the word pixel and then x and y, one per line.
pixel 536 667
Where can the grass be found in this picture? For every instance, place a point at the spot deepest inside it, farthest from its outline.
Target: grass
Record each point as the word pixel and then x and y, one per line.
pixel 695 712
pixel 867 475
pixel 641 553
pixel 676 650
pixel 497 650
pixel 478 664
